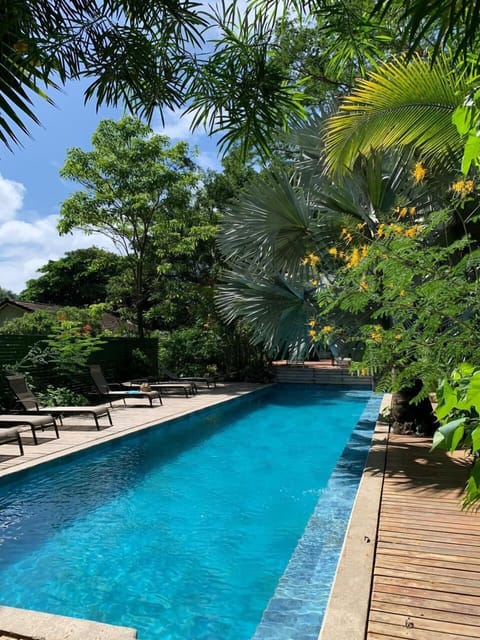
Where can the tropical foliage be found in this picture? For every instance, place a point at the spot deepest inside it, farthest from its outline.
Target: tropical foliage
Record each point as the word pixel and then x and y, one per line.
pixel 374 249
pixel 137 189
pixel 80 278
pixel 459 411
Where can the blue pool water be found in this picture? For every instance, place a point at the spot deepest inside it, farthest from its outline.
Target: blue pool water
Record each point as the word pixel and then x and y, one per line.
pixel 183 531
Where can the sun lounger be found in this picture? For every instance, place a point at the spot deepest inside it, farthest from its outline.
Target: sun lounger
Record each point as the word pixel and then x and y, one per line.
pixel 9 435
pixel 186 388
pixel 30 403
pixel 196 380
pixel 117 391
pixel 34 422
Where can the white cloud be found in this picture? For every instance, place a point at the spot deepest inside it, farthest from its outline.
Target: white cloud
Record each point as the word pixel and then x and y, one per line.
pixel 11 198
pixel 177 126
pixel 26 246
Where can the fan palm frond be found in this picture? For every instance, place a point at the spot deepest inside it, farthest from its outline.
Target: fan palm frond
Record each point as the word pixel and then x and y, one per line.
pixel 275 308
pixel 276 222
pixel 400 104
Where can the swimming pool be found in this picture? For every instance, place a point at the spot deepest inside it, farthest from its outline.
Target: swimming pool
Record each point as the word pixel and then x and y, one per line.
pixel 182 531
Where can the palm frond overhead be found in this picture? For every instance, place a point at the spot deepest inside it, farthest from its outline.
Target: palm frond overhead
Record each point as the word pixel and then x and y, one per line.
pixel 275 222
pixel 275 308
pixel 401 104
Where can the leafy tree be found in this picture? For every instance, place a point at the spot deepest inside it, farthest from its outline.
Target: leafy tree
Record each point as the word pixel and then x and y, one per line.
pixel 6 293
pixel 148 56
pixel 79 279
pixel 334 44
pixel 133 52
pixel 43 322
pixel 35 323
pixel 138 191
pixel 448 24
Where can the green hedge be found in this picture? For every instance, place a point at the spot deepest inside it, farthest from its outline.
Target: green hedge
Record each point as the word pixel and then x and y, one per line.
pixel 121 359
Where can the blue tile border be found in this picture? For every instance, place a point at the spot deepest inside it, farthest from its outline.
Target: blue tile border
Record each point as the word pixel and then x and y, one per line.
pixel 297 607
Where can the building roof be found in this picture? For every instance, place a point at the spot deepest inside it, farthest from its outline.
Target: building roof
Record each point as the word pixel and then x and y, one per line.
pixel 109 321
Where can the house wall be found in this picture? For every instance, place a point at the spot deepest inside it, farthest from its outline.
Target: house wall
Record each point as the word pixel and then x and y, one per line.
pixel 9 313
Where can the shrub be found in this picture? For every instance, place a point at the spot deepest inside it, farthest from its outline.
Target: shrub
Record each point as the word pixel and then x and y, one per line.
pixel 60 396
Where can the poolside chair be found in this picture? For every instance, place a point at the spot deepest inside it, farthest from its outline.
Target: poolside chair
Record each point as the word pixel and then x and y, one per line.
pixel 30 403
pixel 118 391
pixel 208 380
pixel 9 435
pixel 187 388
pixel 34 422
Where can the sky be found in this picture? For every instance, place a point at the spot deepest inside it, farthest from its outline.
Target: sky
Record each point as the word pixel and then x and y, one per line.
pixel 31 190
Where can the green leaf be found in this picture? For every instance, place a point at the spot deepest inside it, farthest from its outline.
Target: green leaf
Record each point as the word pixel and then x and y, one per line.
pixel 449 435
pixel 471 152
pixel 472 495
pixel 462 118
pixel 473 392
pixel 448 401
pixel 475 435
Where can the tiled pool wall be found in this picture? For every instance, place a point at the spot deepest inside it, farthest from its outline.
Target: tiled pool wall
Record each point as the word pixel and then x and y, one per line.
pixel 297 607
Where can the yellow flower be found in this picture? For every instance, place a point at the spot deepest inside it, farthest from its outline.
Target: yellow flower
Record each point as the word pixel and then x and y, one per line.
pixel 311 322
pixel 402 212
pixel 398 336
pixel 312 333
pixel 412 232
pixel 381 230
pixel 364 251
pixel 313 259
pixel 354 259
pixel 333 251
pixel 305 261
pixel 363 286
pixel 376 335
pixel 419 172
pixel 360 225
pixel 364 372
pixel 463 187
pixel 412 211
pixel 327 328
pixel 314 283
pixel 402 293
pixel 346 234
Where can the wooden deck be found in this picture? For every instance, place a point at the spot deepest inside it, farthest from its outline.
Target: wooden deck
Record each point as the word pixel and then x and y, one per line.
pixel 426 577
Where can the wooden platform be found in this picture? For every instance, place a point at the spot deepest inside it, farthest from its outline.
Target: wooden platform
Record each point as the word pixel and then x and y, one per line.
pixel 319 372
pixel 426 576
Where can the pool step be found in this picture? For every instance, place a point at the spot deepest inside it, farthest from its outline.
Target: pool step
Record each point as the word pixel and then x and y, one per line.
pixel 338 375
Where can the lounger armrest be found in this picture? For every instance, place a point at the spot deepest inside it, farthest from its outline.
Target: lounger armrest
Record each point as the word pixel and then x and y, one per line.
pixel 115 386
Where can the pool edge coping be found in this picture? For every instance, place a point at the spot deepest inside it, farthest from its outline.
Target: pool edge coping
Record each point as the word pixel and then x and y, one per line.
pixel 347 608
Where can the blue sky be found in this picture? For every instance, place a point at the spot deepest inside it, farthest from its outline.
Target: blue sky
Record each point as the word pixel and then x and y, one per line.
pixel 31 190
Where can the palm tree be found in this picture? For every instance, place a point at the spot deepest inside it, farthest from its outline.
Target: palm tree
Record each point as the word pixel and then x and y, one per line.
pixel 401 104
pixel 276 240
pixel 136 53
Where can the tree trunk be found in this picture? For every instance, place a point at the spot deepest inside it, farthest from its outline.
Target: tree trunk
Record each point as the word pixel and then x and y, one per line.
pixel 416 418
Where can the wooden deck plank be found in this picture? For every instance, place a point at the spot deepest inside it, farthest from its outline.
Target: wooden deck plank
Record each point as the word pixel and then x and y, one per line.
pixel 426 576
pixel 420 623
pixel 425 607
pixel 385 630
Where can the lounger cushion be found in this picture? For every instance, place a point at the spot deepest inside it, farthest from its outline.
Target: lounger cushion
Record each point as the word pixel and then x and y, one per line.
pixel 17 418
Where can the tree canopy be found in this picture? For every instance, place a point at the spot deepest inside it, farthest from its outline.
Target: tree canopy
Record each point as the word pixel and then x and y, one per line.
pixel 80 278
pixel 139 191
